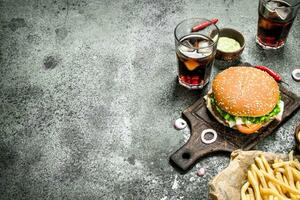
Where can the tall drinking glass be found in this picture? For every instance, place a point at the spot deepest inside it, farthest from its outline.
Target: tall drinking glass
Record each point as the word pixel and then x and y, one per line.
pixel 274 22
pixel 195 51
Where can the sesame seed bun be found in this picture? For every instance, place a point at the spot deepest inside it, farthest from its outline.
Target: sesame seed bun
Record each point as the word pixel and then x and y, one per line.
pixel 245 91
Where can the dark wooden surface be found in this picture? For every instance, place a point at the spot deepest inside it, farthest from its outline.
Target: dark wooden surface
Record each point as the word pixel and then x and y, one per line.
pixel 228 140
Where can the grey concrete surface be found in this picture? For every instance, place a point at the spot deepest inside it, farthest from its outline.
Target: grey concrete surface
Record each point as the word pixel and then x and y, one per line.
pixel 88 95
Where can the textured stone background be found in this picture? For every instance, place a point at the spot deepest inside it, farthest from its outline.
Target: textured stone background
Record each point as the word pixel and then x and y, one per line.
pixel 88 94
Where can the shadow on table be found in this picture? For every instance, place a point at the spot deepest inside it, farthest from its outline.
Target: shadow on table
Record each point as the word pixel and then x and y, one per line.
pixel 181 92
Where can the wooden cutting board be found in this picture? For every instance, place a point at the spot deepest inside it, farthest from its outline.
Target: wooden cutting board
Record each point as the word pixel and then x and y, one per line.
pixel 228 140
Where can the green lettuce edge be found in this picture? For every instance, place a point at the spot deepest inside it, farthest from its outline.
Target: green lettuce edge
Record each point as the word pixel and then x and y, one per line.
pixel 252 120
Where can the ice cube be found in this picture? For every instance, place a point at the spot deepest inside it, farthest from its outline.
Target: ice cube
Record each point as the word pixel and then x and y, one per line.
pixel 203 44
pixel 191 54
pixel 282 12
pixel 184 48
pixel 271 6
pixel 187 43
pixel 204 52
pixel 204 49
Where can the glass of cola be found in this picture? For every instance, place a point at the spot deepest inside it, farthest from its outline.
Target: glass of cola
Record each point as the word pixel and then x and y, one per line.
pixel 275 18
pixel 195 52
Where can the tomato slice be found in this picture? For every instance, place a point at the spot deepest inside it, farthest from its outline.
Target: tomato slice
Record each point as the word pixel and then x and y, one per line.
pixel 249 129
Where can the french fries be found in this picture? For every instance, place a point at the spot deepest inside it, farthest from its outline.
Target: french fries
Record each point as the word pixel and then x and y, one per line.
pixel 277 181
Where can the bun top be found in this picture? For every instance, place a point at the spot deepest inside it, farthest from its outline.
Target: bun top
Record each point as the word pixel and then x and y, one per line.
pixel 245 91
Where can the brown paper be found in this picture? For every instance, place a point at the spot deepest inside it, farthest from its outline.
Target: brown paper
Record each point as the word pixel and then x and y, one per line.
pixel 228 183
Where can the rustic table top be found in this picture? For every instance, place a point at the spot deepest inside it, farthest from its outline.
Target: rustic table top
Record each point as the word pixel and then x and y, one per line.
pixel 88 96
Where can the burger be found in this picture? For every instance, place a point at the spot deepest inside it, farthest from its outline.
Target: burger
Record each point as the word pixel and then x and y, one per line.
pixel 244 98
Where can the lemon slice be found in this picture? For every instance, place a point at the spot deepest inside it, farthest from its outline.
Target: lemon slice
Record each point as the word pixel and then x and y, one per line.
pixel 191 64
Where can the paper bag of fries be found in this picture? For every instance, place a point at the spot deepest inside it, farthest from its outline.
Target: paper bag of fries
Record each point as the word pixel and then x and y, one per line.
pixel 256 175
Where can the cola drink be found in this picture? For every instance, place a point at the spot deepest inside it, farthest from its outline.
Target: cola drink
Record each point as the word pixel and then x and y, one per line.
pixel 195 51
pixel 274 23
pixel 195 56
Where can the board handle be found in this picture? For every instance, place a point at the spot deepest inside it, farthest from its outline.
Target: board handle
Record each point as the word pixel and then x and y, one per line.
pixel 185 157
pixel 188 155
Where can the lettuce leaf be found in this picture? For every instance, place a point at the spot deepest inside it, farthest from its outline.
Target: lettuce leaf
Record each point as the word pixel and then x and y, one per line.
pixel 252 120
